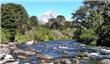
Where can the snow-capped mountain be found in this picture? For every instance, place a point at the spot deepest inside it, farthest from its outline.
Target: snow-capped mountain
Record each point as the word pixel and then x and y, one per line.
pixel 47 15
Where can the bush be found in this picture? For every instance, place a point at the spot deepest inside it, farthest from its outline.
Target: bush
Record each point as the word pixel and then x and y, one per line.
pixel 4 36
pixel 88 36
pixel 24 38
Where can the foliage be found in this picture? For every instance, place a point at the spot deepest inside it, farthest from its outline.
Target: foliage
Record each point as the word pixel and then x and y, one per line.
pixel 42 33
pixel 88 36
pixel 4 36
pixel 34 20
pixel 104 35
pixel 92 21
pixel 13 17
pixel 20 38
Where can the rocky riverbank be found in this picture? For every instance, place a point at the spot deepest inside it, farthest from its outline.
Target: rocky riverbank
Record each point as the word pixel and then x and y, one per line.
pixel 13 53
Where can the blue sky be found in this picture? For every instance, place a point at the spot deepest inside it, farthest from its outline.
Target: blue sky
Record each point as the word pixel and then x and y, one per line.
pixel 38 7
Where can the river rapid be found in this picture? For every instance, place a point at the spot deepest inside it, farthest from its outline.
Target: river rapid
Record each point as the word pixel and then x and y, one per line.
pixel 69 49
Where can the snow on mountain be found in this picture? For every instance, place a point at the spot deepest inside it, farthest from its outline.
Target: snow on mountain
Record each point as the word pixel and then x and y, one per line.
pixel 46 16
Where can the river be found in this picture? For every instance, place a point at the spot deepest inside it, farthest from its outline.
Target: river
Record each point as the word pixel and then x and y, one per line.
pixel 58 48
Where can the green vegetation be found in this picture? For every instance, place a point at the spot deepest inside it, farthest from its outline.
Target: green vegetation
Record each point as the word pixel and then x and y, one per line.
pixel 13 17
pixel 90 25
pixel 93 23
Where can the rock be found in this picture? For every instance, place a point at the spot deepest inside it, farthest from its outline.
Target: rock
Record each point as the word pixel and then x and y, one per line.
pixel 51 63
pixel 2 55
pixel 5 53
pixel 104 61
pixel 22 52
pixel 57 61
pixel 7 59
pixel 82 55
pixel 75 61
pixel 15 62
pixel 93 54
pixel 32 42
pixel 67 61
pixel 22 57
pixel 26 63
pixel 82 45
pixel 4 45
pixel 63 47
pixel 18 51
pixel 48 57
pixel 4 50
pixel 8 56
pixel 12 43
pixel 105 50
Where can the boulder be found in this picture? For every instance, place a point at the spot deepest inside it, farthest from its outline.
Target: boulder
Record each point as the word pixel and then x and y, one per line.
pixel 104 61
pixel 7 59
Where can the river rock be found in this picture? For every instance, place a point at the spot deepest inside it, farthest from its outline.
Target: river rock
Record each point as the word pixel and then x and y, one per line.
pixel 4 50
pixel 105 50
pixel 104 61
pixel 4 45
pixel 22 52
pixel 32 42
pixel 82 55
pixel 66 61
pixel 94 55
pixel 48 57
pixel 7 59
pixel 75 61
pixel 15 62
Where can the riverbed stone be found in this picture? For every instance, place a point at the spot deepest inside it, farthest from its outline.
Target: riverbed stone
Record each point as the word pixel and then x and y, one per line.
pixel 31 42
pixel 7 59
pixel 75 61
pixel 104 61
pixel 4 50
pixel 67 61
pixel 82 55
pixel 48 57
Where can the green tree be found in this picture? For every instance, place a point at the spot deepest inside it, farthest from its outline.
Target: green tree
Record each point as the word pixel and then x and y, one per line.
pixel 13 17
pixel 60 18
pixel 34 20
pixel 94 14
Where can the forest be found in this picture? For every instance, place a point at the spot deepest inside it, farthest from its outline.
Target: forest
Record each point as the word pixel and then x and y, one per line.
pixel 90 25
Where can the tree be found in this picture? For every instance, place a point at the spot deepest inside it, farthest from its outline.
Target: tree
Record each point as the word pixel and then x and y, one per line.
pixel 34 20
pixel 13 17
pixel 94 14
pixel 60 19
pixel 103 35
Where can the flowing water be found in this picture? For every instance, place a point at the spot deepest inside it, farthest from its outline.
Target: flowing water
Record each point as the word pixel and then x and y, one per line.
pixel 70 48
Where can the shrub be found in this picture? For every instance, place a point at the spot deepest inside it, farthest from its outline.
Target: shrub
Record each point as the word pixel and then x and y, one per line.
pixel 88 36
pixel 4 36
